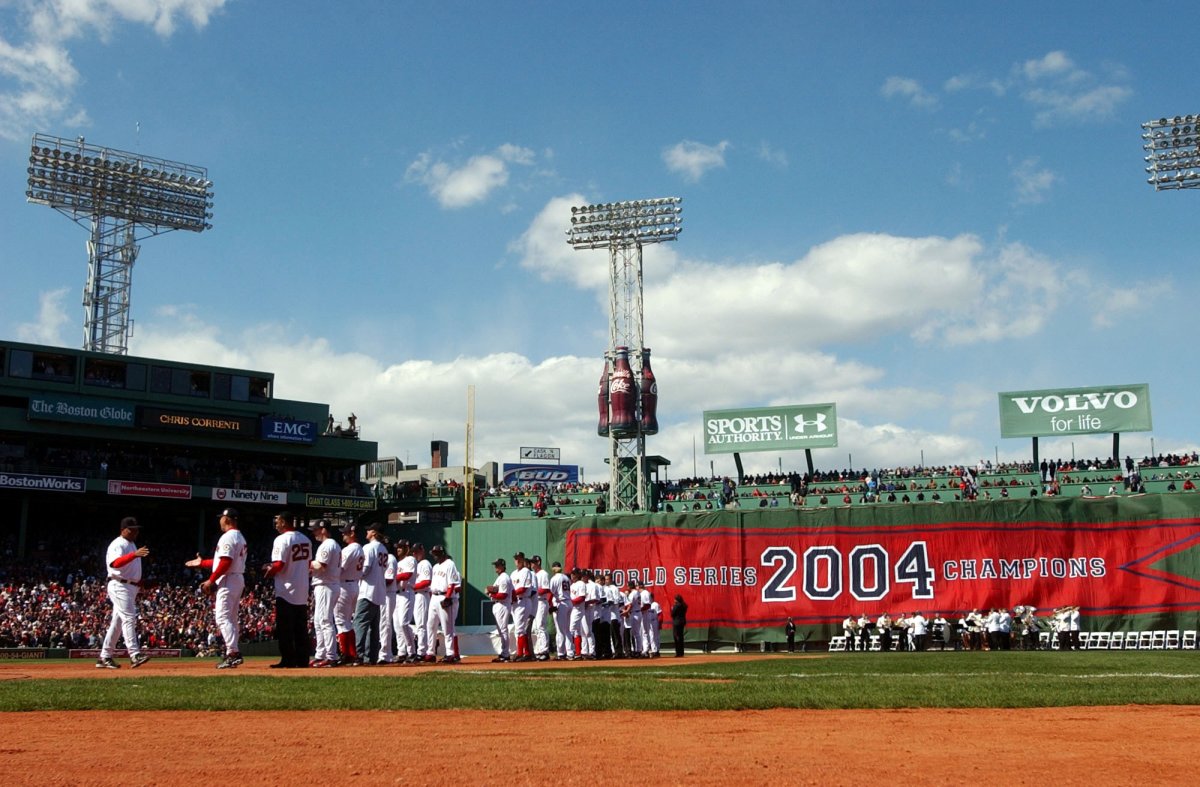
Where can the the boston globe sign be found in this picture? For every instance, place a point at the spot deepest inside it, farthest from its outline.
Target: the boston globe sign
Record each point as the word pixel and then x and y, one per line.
pixel 788 428
pixel 1070 411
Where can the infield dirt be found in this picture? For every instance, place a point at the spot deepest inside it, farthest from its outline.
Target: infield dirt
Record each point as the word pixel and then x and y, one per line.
pixel 1064 746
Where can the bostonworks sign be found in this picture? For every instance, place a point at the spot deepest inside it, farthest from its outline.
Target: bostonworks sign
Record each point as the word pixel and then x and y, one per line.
pixel 1066 411
pixel 787 428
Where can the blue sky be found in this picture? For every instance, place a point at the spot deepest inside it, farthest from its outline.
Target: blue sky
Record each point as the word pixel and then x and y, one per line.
pixel 903 208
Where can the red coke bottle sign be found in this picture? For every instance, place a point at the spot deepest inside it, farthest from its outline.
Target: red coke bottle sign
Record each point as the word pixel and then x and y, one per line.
pixel 622 396
pixel 602 402
pixel 649 391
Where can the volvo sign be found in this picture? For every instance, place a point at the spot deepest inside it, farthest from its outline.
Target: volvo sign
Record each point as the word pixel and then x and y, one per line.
pixel 1068 411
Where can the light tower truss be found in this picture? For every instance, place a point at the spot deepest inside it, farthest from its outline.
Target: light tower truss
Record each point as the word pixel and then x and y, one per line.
pixel 624 228
pixel 1172 148
pixel 121 198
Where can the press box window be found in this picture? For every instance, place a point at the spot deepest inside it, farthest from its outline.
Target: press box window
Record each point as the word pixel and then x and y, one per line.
pixel 54 367
pixel 105 374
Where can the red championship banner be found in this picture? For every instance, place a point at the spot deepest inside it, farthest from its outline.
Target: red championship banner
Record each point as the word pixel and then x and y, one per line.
pixel 744 577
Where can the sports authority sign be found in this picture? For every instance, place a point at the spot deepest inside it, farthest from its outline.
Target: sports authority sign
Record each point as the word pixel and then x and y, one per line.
pixel 735 573
pixel 789 428
pixel 1066 411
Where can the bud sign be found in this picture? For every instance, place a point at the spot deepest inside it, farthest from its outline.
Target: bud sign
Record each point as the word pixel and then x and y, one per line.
pixel 1067 411
pixel 789 428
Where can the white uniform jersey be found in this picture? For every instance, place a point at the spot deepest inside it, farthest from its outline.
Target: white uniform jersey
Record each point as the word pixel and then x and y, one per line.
pixel 560 588
pixel 294 550
pixel 352 563
pixel 375 560
pixel 446 578
pixel 592 593
pixel 131 571
pixel 231 544
pixel 389 575
pixel 329 553
pixel 644 596
pixel 423 577
pixel 504 589
pixel 541 582
pixel 579 592
pixel 522 582
pixel 406 570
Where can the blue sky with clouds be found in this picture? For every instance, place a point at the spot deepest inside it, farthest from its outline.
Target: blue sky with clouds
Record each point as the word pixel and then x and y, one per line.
pixel 902 208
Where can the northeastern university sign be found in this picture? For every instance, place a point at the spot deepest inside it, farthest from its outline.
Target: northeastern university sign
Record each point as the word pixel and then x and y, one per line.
pixel 1067 411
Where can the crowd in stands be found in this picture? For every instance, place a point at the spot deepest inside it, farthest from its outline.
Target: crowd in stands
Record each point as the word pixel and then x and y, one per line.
pixel 984 480
pixel 57 599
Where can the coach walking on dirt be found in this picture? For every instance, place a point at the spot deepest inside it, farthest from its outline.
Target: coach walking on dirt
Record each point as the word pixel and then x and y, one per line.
pixel 678 623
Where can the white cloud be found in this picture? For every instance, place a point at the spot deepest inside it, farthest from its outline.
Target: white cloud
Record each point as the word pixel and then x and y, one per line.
pixel 1062 92
pixel 772 155
pixel 693 159
pixel 910 89
pixel 1032 182
pixel 1052 64
pixel 1062 106
pixel 37 77
pixel 51 319
pixel 470 182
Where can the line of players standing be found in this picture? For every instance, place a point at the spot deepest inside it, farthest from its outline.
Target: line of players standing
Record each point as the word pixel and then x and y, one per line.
pixel 364 596
pixel 593 617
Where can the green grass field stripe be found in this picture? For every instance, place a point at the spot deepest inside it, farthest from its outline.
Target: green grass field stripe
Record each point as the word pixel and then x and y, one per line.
pixel 971 680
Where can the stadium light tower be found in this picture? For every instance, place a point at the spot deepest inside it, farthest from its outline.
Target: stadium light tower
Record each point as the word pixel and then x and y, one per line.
pixel 623 228
pixel 1172 148
pixel 121 197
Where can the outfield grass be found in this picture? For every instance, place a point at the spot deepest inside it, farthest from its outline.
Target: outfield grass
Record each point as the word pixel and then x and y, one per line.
pixel 951 680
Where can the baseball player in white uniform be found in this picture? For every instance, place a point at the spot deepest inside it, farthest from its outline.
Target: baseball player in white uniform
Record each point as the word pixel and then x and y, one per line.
pixel 522 607
pixel 647 622
pixel 372 595
pixel 654 626
pixel 501 594
pixel 422 579
pixel 124 563
pixel 633 611
pixel 228 566
pixel 443 599
pixel 580 626
pixel 327 580
pixel 291 553
pixel 541 609
pixel 560 595
pixel 592 610
pixel 343 612
pixel 406 568
pixel 387 615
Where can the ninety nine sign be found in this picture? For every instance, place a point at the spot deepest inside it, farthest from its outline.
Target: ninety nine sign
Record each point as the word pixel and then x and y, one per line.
pixel 787 428
pixel 1063 411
